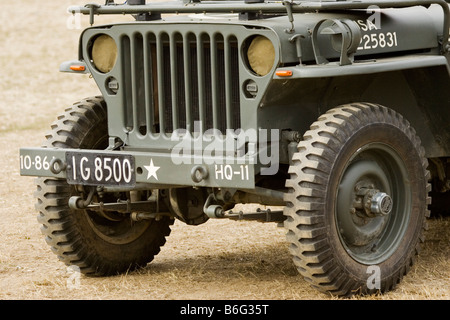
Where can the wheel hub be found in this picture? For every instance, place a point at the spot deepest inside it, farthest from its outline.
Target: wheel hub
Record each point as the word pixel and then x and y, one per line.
pixel 370 202
pixel 381 203
pixel 364 204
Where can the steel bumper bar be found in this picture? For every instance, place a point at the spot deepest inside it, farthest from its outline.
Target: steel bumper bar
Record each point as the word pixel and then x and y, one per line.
pixel 151 169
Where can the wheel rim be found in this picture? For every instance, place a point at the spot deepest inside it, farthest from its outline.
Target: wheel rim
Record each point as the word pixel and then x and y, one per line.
pixel 373 203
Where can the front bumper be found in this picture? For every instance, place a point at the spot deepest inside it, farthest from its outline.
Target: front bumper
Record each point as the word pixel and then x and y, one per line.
pixel 151 169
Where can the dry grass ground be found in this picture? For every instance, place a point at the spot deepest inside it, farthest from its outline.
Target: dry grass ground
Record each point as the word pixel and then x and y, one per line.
pixel 217 260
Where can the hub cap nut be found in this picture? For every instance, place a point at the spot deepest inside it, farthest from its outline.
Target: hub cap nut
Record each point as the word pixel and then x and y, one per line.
pixel 381 204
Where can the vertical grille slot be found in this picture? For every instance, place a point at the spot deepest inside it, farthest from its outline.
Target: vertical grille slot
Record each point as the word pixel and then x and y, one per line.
pixel 134 82
pixel 150 83
pixel 175 80
pixel 161 72
pixel 188 69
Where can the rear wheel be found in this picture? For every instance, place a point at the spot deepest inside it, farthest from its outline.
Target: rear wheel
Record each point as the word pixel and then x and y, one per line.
pixel 98 245
pixel 358 200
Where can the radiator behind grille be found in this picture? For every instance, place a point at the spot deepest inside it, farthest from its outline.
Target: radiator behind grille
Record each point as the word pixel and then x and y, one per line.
pixel 173 81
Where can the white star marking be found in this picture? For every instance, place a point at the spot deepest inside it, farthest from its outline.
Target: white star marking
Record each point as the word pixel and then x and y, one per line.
pixel 151 170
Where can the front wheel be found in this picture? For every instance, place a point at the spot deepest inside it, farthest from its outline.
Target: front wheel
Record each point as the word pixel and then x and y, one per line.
pixel 358 200
pixel 96 244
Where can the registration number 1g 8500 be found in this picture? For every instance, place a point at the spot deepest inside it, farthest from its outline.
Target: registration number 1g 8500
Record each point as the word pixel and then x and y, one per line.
pixel 100 169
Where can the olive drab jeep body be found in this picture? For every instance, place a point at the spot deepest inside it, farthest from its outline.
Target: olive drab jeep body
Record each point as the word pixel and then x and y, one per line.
pixel 335 111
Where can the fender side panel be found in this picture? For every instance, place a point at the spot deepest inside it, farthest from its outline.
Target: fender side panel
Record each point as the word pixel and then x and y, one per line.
pixel 421 95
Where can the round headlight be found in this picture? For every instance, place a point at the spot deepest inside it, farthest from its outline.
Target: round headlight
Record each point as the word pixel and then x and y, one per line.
pixel 261 55
pixel 104 53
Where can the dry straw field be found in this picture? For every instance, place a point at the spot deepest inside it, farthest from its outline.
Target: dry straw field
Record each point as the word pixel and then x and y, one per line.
pixel 217 260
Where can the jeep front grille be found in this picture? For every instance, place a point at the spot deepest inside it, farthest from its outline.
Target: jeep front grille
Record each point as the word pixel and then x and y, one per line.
pixel 175 80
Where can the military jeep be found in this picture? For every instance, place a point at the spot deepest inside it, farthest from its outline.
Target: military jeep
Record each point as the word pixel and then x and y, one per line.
pixel 334 111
